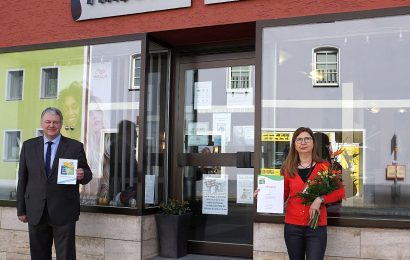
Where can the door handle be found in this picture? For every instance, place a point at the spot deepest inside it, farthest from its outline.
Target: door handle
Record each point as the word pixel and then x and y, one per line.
pixel 244 160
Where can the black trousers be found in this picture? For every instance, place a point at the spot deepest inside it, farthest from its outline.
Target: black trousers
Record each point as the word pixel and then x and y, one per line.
pixel 42 236
pixel 304 241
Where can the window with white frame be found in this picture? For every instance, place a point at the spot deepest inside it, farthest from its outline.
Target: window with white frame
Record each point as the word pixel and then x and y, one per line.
pixel 326 62
pixel 12 145
pixel 49 82
pixel 15 84
pixel 39 132
pixel 135 72
pixel 239 79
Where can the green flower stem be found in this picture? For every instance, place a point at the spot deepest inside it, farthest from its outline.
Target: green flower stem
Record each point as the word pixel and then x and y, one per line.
pixel 313 222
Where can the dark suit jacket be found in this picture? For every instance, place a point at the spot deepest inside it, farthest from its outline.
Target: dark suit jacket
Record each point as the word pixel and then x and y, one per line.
pixel 35 190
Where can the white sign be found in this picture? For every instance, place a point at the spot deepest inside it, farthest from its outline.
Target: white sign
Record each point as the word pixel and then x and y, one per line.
pixel 215 194
pixel 244 188
pixel 243 135
pixel 221 124
pixel 198 128
pixel 150 189
pixel 195 140
pixel 101 80
pixel 203 95
pixel 92 9
pixel 270 196
pixel 239 99
pixel 67 171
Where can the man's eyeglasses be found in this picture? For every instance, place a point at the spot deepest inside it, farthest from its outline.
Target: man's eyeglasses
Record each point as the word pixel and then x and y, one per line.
pixel 307 140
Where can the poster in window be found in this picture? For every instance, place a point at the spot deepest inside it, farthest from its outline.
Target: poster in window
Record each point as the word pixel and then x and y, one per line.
pixel 222 125
pixel 215 194
pixel 239 99
pixel 151 184
pixel 244 189
pixel 198 128
pixel 203 95
pixel 101 81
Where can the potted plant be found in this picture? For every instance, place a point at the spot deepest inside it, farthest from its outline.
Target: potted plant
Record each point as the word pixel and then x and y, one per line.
pixel 173 222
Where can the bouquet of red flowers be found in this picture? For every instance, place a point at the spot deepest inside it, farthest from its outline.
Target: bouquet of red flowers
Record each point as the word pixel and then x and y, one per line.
pixel 327 180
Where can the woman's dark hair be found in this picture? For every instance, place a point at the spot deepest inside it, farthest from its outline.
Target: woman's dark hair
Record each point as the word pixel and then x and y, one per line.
pixel 292 161
pixel 322 144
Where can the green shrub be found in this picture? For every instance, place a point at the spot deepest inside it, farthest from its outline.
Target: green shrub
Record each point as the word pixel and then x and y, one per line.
pixel 174 207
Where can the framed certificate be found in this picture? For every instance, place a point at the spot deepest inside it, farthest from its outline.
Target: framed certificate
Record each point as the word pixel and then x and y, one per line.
pixel 390 172
pixel 395 172
pixel 401 172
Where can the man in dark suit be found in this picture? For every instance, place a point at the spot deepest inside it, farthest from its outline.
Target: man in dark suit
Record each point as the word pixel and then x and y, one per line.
pixel 50 209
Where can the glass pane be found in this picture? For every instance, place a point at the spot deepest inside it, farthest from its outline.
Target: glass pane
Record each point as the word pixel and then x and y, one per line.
pixel 223 121
pixel 332 57
pixel 239 81
pixel 331 67
pixel 217 121
pixel 112 132
pixel 15 85
pixel 25 116
pixel 13 146
pixel 50 79
pixel 137 82
pixel 232 220
pixel 137 72
pixel 156 131
pixel 365 119
pixel 321 57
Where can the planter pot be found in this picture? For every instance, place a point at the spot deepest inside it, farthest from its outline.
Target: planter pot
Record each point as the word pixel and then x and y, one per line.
pixel 173 234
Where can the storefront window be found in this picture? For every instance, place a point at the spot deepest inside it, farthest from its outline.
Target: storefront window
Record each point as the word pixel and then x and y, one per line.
pixel 111 135
pixel 26 73
pixel 156 125
pixel 366 117
pixel 98 106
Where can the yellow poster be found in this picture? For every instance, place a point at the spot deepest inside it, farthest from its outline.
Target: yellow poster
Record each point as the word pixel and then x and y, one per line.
pixel 270 136
pixel 270 171
pixel 350 161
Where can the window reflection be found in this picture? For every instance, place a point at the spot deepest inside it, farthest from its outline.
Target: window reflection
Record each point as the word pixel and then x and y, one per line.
pixel 101 112
pixel 112 130
pixel 35 80
pixel 361 116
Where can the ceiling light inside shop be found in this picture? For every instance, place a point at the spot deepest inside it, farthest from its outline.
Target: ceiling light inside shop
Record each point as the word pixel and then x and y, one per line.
pixel 283 56
pixel 312 74
pixel 402 110
pixel 374 110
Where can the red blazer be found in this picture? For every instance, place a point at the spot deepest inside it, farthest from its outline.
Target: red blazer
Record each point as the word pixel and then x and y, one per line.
pixel 296 212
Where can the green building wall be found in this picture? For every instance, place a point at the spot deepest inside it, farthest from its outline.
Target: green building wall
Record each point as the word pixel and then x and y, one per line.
pixel 24 114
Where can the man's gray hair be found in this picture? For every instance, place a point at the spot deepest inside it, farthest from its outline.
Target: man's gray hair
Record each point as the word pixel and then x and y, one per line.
pixel 53 110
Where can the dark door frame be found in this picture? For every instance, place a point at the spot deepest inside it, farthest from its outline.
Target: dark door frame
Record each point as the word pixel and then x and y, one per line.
pixel 178 159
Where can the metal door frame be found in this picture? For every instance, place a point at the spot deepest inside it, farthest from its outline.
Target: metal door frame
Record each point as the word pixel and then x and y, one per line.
pixel 178 160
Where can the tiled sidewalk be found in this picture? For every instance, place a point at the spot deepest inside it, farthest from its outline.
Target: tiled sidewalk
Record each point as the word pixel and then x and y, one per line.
pixel 201 257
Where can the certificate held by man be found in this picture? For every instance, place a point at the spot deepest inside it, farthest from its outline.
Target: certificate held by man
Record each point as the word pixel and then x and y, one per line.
pixel 67 173
pixel 271 194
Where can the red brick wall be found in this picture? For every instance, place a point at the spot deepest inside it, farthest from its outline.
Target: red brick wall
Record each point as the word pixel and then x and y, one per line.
pixel 41 21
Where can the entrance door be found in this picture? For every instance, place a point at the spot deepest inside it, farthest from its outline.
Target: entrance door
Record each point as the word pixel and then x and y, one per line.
pixel 215 147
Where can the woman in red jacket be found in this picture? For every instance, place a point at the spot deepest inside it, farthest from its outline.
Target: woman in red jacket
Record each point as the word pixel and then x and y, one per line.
pixel 302 164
